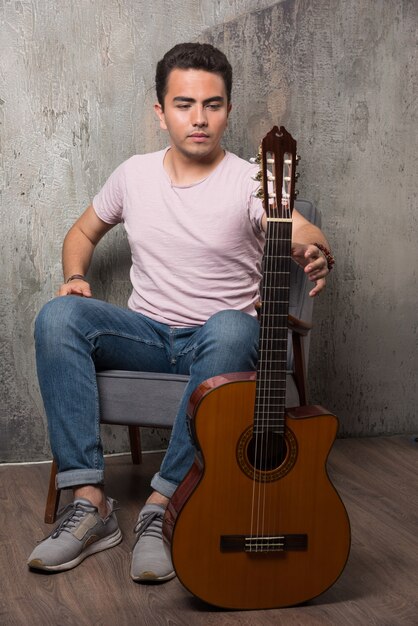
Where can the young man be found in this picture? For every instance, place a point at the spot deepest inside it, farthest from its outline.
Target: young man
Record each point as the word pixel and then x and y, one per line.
pixel 196 234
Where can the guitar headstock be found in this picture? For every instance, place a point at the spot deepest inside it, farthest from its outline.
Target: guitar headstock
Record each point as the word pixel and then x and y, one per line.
pixel 277 158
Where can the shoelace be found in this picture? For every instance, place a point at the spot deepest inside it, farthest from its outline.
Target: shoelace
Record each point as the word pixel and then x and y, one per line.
pixel 76 512
pixel 150 525
pixel 71 520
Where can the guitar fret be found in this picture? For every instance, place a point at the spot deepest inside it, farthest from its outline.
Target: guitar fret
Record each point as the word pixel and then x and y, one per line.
pixel 273 386
pixel 279 396
pixel 264 397
pixel 266 423
pixel 272 317
pixel 272 397
pixel 267 389
pixel 278 421
pixel 276 340
pixel 273 402
pixel 277 287
pixel 267 406
pixel 261 400
pixel 278 328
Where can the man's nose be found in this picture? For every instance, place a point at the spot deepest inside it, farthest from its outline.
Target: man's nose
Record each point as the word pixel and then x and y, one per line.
pixel 200 118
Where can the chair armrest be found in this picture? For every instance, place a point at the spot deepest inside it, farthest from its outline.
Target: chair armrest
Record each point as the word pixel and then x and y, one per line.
pixel 298 326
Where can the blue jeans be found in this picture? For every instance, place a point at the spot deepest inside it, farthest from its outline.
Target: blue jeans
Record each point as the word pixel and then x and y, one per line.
pixel 76 336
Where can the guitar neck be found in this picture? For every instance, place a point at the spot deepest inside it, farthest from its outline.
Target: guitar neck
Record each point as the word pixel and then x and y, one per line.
pixel 272 364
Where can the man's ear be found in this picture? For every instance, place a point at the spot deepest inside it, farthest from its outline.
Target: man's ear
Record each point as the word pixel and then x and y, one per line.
pixel 160 114
pixel 229 108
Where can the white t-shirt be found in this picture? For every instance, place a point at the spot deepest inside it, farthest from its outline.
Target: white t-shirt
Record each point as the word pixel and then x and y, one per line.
pixel 196 250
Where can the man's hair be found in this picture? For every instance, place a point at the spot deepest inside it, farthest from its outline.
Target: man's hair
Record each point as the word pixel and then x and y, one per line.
pixel 196 56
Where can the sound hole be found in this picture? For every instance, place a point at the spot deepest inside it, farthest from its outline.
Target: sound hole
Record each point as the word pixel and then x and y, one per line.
pixel 266 457
pixel 266 452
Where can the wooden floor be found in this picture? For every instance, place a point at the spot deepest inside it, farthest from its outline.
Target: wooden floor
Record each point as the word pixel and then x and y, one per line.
pixel 377 478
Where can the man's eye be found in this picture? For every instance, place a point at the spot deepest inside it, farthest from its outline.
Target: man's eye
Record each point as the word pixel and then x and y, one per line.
pixel 213 107
pixel 183 106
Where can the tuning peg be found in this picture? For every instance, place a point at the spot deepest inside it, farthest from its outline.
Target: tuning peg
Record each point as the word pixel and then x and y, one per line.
pixel 258 176
pixel 298 157
pixel 260 194
pixel 257 159
pixel 297 175
pixel 296 193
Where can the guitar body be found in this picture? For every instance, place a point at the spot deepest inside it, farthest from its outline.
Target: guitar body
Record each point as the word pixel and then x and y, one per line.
pixel 223 501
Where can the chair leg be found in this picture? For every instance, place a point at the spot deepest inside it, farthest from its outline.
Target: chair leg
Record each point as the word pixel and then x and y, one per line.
pixel 135 441
pixel 53 497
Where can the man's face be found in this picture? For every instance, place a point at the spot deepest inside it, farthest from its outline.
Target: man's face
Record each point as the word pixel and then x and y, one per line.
pixel 195 112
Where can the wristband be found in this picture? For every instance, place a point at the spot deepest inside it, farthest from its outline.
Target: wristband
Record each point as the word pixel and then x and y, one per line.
pixel 77 276
pixel 327 254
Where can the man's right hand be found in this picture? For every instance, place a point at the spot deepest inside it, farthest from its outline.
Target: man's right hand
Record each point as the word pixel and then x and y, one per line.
pixel 76 287
pixel 78 248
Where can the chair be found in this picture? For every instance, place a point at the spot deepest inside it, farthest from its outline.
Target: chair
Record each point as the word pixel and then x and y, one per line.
pixel 135 399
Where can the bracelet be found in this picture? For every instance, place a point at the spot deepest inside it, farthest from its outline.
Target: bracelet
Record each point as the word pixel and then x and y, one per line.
pixel 74 277
pixel 327 254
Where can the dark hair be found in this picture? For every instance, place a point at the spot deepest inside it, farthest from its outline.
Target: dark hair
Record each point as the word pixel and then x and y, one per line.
pixel 197 56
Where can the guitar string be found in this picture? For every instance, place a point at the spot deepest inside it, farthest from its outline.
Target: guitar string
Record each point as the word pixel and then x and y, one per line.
pixel 261 437
pixel 281 336
pixel 255 508
pixel 275 346
pixel 271 306
pixel 266 391
pixel 285 261
pixel 264 405
pixel 267 383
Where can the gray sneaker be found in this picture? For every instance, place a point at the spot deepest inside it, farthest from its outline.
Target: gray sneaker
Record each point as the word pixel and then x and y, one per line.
pixel 80 533
pixel 151 560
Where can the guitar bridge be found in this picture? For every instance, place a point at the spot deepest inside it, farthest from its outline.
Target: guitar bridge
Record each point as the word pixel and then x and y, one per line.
pixel 263 543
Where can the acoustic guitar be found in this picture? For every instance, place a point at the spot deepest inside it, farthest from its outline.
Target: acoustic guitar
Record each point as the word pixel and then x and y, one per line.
pixel 257 523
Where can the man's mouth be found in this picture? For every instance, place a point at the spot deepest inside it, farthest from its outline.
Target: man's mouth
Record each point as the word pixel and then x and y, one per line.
pixel 198 135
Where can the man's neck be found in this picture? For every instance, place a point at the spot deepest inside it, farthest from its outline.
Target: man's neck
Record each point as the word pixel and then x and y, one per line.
pixel 184 170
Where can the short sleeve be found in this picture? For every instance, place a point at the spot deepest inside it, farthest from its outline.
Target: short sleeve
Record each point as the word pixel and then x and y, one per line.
pixel 108 203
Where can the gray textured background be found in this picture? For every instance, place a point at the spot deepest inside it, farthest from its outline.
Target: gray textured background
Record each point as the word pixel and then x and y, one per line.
pixel 76 95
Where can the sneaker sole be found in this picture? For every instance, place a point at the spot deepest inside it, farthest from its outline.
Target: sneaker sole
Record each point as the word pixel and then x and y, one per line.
pixel 98 546
pixel 150 577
